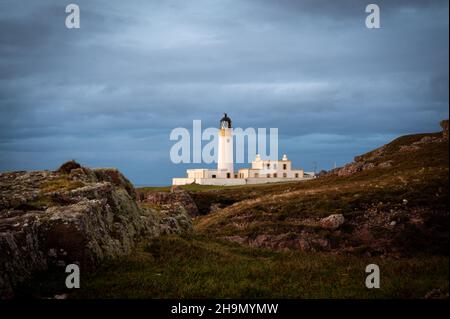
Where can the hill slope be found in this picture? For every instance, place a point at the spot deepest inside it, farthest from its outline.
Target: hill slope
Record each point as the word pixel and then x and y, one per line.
pixel 394 201
pixel 272 241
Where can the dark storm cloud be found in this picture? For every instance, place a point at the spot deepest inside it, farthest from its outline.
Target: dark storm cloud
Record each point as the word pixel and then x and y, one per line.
pixel 109 93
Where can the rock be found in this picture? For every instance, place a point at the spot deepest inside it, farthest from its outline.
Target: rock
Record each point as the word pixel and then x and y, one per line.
pixel 303 241
pixel 173 200
pixel 355 167
pixel 409 148
pixel 175 221
pixel 350 169
pixel 373 155
pixel 116 178
pixel 304 245
pixel 215 207
pixel 67 167
pixel 333 221
pixel 235 239
pixel 74 215
pixel 386 164
pixel 368 166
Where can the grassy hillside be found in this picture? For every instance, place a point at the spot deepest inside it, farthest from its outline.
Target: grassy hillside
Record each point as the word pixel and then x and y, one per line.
pixel 395 203
pixel 267 241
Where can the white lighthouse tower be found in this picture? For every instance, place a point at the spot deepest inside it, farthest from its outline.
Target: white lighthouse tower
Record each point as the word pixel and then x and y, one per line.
pixel 225 152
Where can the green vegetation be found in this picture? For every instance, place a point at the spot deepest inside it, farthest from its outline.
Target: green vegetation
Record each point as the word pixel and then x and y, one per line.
pixel 332 197
pixel 406 183
pixel 190 187
pixel 62 183
pixel 417 174
pixel 47 195
pixel 201 267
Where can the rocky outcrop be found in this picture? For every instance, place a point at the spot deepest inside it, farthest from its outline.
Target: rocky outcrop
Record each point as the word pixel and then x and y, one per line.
pixel 67 167
pixel 305 240
pixel 380 157
pixel 175 199
pixel 74 215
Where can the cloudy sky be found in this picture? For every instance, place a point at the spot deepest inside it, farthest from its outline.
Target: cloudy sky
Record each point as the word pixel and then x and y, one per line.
pixel 109 94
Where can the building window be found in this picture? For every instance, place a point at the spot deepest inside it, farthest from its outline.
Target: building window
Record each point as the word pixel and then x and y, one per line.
pixel 284 175
pixel 274 166
pixel 284 166
pixel 296 175
pixel 268 175
pixel 214 176
pixel 268 165
pixel 275 175
pixel 228 175
pixel 256 174
pixel 235 175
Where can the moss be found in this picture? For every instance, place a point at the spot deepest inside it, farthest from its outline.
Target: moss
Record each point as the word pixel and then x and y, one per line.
pixel 51 193
pixel 62 183
pixel 40 203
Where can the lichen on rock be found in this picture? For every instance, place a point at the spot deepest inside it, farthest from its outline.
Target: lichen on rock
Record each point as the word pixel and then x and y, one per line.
pixel 73 215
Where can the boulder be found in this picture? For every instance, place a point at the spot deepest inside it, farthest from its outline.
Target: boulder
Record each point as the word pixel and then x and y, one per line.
pixel 350 169
pixel 333 221
pixel 175 199
pixel 67 167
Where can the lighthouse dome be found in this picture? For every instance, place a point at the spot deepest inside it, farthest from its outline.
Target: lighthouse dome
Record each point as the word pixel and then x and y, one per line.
pixel 225 122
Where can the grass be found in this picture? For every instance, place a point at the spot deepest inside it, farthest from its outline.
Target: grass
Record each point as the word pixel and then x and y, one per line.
pixel 49 193
pixel 62 183
pixel 202 267
pixel 329 198
pixel 190 187
pixel 418 177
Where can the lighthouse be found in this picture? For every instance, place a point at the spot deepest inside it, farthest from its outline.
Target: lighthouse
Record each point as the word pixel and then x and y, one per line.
pixel 225 151
pixel 261 171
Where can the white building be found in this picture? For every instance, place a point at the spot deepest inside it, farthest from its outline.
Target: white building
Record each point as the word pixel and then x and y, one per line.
pixel 261 171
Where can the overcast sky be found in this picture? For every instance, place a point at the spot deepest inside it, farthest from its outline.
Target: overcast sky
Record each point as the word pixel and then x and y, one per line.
pixel 109 94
